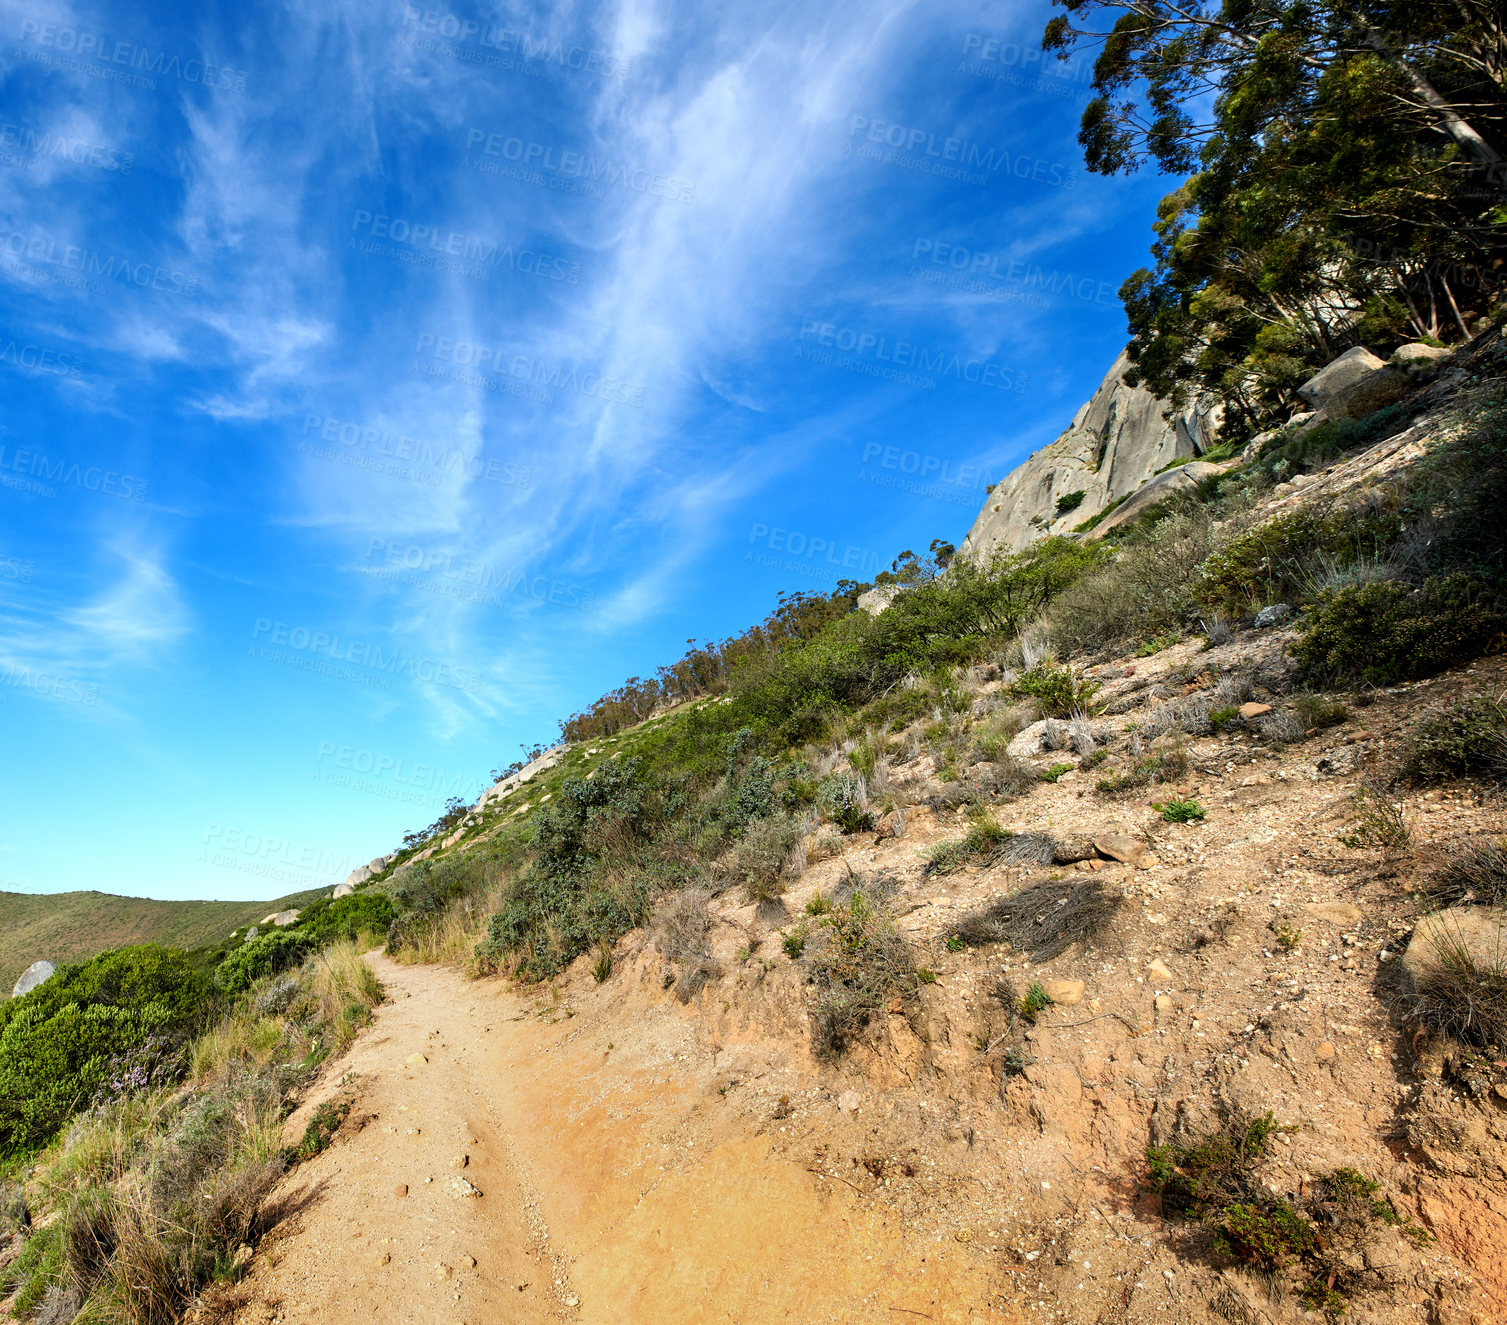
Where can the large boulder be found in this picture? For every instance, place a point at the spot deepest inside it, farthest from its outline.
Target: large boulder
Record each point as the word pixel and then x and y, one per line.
pixel 32 976
pixel 282 919
pixel 342 890
pixel 1446 939
pixel 1355 385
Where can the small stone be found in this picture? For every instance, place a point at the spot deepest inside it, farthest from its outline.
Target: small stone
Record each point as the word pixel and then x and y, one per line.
pixel 384 1259
pixel 461 1189
pixel 1160 970
pixel 1325 1052
pixel 1254 710
pixel 469 1262
pixel 1069 993
pixel 401 1189
pixel 963 1235
pixel 459 1161
pixel 1164 1005
pixel 415 1060
pixel 442 1272
pixel 849 1101
pixel 1119 847
pixel 572 1301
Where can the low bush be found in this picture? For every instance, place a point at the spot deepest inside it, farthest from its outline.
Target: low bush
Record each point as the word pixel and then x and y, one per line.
pixel 266 954
pixel 1391 631
pixel 60 1043
pixel 1465 738
pixel 347 917
pixel 1180 811
pixel 857 961
pixel 766 859
pixel 1054 688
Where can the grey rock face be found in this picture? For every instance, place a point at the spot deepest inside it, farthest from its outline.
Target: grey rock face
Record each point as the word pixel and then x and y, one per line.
pixel 1274 615
pixel 875 600
pixel 1116 442
pixel 1155 490
pixel 32 976
pixel 282 919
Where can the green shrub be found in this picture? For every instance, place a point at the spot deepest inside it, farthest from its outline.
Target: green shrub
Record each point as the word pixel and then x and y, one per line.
pixel 346 917
pixel 1180 811
pixel 760 862
pixel 1054 688
pixel 1465 738
pixel 1390 631
pixel 57 1043
pixel 266 954
pixel 857 961
pixel 1035 1002
pixel 1055 771
pixel 1070 501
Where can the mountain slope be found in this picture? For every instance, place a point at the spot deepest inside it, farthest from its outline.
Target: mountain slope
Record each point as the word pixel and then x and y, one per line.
pixel 68 927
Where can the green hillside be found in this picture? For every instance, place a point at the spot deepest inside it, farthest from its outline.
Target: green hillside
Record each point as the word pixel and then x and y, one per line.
pixel 68 927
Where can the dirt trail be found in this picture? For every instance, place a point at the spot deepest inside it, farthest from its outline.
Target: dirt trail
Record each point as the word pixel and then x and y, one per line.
pixel 615 1186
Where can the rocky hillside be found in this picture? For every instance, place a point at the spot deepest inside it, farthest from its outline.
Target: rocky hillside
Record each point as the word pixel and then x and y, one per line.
pixel 1116 442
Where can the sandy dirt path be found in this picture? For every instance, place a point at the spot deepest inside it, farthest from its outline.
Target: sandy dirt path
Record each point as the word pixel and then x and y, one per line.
pixel 614 1185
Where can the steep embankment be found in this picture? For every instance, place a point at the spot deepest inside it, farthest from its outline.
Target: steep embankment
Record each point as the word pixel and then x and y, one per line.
pixel 70 927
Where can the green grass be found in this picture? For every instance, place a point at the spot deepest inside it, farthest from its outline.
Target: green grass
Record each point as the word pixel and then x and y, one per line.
pixel 72 927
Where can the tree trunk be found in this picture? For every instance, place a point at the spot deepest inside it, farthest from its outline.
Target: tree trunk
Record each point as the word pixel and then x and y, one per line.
pixel 1475 146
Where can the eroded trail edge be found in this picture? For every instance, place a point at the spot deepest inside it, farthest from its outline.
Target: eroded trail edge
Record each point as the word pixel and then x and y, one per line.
pixel 508 1161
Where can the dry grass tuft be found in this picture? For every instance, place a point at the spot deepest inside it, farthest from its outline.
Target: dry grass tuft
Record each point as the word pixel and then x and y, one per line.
pixel 683 928
pixel 1044 920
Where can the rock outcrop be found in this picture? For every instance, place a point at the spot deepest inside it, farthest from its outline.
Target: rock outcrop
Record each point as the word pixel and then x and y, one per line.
pixel 32 976
pixel 1117 441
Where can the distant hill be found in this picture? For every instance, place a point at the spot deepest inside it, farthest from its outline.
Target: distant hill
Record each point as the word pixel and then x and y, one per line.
pixel 68 927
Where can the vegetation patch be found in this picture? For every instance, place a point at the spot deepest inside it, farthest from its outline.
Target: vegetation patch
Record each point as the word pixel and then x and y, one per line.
pixel 1044 920
pixel 1466 738
pixel 1056 689
pixel 858 962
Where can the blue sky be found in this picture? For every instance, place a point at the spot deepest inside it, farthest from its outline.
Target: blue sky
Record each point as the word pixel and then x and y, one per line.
pixel 382 384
